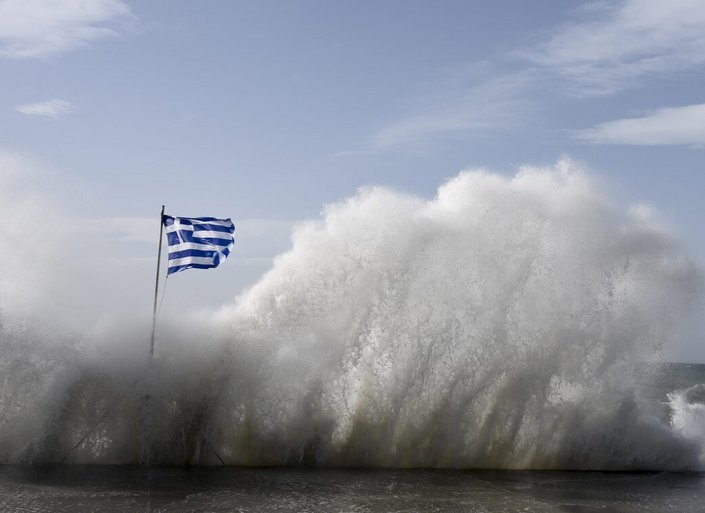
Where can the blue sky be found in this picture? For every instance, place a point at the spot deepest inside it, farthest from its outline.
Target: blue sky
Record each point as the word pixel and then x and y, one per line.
pixel 266 111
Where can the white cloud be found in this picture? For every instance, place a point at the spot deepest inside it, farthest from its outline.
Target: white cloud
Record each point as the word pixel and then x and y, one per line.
pixel 618 44
pixel 49 109
pixel 455 107
pixel 670 126
pixel 38 28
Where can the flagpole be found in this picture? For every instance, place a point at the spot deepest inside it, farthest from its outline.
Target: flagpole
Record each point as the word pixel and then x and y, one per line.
pixel 156 284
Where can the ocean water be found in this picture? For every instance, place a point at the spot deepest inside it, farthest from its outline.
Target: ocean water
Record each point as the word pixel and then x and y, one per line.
pixel 502 336
pixel 212 489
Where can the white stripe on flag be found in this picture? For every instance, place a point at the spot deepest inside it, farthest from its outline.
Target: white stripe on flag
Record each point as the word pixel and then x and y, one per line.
pixel 190 260
pixel 203 234
pixel 192 245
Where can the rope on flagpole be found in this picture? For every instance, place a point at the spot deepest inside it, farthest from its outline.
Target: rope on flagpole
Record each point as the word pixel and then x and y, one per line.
pixel 161 301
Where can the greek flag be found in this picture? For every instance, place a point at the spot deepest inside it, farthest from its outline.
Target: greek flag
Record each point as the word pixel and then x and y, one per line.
pixel 197 242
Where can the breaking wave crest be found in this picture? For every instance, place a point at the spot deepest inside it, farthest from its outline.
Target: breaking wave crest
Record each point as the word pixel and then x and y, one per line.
pixel 688 414
pixel 498 325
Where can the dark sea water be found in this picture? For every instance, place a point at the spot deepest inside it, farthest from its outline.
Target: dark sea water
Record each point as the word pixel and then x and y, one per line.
pixel 114 488
pixel 150 489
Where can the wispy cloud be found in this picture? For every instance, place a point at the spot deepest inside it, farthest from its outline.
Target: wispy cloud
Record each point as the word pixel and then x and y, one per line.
pixel 39 28
pixel 616 45
pixel 460 101
pixel 670 126
pixel 605 48
pixel 49 109
pixel 462 107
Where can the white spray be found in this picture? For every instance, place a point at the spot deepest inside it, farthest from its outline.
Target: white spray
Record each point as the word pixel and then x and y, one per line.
pixel 497 325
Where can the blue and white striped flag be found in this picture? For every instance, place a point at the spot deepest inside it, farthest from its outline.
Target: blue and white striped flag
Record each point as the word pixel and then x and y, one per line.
pixel 197 242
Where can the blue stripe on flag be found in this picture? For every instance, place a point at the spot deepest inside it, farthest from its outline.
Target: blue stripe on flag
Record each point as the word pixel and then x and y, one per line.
pixel 191 253
pixel 211 228
pixel 178 268
pixel 202 219
pixel 210 240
